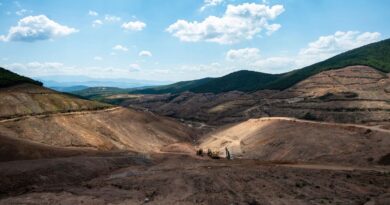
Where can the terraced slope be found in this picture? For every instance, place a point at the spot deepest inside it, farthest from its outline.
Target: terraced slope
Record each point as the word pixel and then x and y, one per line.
pixel 375 55
pixel 355 94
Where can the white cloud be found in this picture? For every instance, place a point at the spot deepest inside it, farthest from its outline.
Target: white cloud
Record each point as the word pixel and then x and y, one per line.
pixel 211 3
pixel 134 25
pixel 113 19
pixel 243 54
pixel 328 46
pixel 321 49
pixel 135 67
pixel 22 12
pixel 98 58
pixel 39 69
pixel 241 22
pixel 93 13
pixel 97 23
pixel 120 48
pixel 145 54
pixel 35 28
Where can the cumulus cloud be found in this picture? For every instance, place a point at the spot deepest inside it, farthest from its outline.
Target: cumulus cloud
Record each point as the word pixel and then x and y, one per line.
pixel 240 22
pixel 134 25
pixel 328 46
pixel 145 54
pixel 97 23
pixel 211 3
pixel 35 28
pixel 111 18
pixel 120 48
pixel 243 54
pixel 321 49
pixel 93 13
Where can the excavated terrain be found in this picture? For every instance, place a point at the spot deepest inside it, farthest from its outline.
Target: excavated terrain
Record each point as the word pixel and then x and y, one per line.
pixel 58 149
pixel 355 94
pixel 294 141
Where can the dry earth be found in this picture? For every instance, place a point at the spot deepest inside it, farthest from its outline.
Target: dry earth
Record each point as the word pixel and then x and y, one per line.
pixel 182 179
pixel 355 94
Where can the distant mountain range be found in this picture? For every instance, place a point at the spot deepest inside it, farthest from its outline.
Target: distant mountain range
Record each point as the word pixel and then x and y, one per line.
pixel 75 83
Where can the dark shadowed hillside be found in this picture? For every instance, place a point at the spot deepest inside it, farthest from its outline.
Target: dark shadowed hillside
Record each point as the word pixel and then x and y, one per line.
pixel 8 78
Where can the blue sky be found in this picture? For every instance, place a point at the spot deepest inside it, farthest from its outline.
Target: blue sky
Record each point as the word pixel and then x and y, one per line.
pixel 174 40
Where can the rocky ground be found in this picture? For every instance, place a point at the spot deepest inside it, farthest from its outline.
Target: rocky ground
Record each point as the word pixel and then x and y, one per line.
pixel 183 178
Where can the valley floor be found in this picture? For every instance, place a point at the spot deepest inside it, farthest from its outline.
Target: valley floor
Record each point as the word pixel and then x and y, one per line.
pixel 183 178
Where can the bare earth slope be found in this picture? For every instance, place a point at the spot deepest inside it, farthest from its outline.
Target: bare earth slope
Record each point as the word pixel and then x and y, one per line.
pixel 111 129
pixel 28 99
pixel 355 94
pixel 291 140
pixel 44 116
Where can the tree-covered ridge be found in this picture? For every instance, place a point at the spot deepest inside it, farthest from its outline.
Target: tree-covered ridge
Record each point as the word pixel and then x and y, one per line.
pixel 8 78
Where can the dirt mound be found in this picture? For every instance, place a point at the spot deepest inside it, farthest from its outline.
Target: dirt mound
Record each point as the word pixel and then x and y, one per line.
pixel 291 140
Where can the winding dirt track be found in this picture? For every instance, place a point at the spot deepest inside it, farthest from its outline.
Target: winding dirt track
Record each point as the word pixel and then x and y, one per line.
pixel 328 123
pixel 81 112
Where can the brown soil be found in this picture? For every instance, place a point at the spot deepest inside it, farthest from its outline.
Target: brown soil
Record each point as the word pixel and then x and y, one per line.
pixel 355 94
pixel 292 140
pixel 182 179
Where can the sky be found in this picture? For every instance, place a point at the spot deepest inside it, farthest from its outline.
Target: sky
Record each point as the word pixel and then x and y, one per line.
pixel 175 40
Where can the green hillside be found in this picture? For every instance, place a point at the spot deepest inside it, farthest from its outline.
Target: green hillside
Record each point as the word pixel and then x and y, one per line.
pixel 376 55
pixel 8 78
pixel 241 80
pixel 174 88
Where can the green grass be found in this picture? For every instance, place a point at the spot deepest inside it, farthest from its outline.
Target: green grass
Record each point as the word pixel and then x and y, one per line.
pixel 8 78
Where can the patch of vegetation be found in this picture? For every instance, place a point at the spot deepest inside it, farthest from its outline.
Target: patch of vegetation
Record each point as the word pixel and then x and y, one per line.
pixel 8 78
